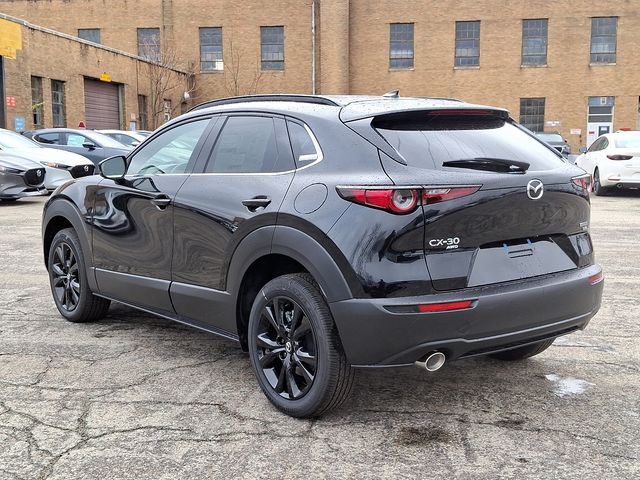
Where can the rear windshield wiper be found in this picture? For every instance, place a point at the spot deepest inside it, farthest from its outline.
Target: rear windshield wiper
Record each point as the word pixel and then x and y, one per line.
pixel 489 163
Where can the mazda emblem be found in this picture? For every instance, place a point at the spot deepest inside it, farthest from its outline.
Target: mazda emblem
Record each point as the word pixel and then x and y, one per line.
pixel 86 168
pixel 535 189
pixel 39 173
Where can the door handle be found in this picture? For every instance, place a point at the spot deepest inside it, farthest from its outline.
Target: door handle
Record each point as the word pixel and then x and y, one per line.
pixel 161 201
pixel 256 202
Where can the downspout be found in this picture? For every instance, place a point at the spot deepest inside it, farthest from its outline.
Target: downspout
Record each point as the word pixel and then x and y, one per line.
pixel 313 47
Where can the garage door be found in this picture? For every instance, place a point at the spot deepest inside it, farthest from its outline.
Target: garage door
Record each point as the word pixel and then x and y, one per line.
pixel 101 104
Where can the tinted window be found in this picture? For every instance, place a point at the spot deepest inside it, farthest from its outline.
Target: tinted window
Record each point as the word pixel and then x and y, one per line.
pixel 301 142
pixel 50 138
pixel 169 152
pixel 595 146
pixel 246 145
pixel 75 140
pixel 428 140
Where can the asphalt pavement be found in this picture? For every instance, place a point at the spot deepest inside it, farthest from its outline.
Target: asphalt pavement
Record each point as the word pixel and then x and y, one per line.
pixel 138 397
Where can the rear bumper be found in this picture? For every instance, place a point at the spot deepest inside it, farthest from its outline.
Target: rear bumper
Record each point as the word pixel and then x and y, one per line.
pixel 502 317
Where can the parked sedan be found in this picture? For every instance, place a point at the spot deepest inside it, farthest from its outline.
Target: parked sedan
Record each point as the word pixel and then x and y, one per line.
pixel 613 160
pixel 128 138
pixel 88 143
pixel 60 166
pixel 20 177
pixel 556 141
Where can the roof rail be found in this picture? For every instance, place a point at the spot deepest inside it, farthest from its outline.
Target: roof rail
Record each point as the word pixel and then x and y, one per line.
pixel 267 98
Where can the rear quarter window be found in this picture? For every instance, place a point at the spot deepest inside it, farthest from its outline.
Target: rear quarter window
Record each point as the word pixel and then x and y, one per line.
pixel 426 140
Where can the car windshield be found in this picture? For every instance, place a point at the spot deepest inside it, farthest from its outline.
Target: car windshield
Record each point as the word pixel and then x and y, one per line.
pixel 11 140
pixel 628 141
pixel 103 140
pixel 550 137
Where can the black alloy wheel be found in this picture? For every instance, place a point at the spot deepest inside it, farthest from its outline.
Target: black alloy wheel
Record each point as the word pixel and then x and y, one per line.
pixel 295 349
pixel 66 280
pixel 286 347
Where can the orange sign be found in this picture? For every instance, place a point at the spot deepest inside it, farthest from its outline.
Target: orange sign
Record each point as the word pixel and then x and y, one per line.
pixel 11 102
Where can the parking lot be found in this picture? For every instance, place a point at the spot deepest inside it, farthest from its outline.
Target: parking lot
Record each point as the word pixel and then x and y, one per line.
pixel 135 396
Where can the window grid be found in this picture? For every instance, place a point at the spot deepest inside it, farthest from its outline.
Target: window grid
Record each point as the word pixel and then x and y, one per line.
pixel 401 45
pixel 603 39
pixel 272 48
pixel 534 41
pixel 149 44
pixel 37 102
pixel 89 34
pixel 532 113
pixel 58 104
pixel 467 44
pixel 211 59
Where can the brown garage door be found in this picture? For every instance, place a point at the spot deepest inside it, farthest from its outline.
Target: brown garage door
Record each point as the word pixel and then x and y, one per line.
pixel 101 105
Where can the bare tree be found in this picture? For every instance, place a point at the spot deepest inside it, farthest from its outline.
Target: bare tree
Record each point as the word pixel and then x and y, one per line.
pixel 242 76
pixel 167 81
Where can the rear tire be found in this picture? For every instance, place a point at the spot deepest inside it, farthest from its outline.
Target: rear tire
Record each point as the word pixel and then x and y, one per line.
pixel 295 349
pixel 68 280
pixel 598 189
pixel 521 353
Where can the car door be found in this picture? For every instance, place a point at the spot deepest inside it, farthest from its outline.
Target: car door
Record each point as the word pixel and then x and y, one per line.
pixel 235 190
pixel 133 218
pixel 75 142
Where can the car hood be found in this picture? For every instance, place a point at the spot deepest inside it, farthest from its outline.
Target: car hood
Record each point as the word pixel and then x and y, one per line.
pixel 51 155
pixel 14 161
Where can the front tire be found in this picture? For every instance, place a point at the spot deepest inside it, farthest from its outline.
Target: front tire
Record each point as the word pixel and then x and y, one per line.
pixel 295 349
pixel 68 279
pixel 521 353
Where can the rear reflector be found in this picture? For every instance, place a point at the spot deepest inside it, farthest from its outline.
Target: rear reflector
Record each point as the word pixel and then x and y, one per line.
pixel 445 307
pixel 597 278
pixel 619 157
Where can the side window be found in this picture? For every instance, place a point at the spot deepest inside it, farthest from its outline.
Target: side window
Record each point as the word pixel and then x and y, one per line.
pixel 246 145
pixel 49 138
pixel 604 144
pixel 75 140
pixel 595 146
pixel 304 148
pixel 170 152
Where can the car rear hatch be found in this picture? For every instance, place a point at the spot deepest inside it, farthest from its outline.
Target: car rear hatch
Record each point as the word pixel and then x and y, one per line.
pixel 498 205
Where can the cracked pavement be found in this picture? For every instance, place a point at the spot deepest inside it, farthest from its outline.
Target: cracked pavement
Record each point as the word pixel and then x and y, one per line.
pixel 136 396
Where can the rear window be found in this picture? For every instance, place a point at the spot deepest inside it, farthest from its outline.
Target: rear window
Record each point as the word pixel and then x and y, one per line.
pixel 427 140
pixel 628 142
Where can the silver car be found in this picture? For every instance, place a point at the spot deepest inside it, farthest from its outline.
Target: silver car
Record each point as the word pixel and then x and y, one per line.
pixel 20 177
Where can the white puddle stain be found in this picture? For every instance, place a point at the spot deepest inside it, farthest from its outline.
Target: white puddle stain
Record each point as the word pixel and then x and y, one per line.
pixel 564 386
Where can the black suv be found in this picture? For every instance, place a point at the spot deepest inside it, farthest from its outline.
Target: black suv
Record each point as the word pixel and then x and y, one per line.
pixel 328 233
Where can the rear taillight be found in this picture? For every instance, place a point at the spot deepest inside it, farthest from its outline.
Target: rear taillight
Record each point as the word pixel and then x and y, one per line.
pixel 402 200
pixel 583 181
pixel 619 157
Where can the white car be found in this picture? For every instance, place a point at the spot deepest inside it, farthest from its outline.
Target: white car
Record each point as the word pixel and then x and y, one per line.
pixel 125 137
pixel 613 160
pixel 60 166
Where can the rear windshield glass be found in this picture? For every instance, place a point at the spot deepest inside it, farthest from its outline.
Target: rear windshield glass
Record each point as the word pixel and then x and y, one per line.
pixel 428 140
pixel 628 142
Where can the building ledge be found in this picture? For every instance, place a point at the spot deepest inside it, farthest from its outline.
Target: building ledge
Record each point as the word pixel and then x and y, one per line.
pixel 599 64
pixel 535 66
pixel 408 69
pixel 467 67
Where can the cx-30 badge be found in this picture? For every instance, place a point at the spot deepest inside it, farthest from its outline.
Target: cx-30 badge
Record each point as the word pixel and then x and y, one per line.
pixel 535 189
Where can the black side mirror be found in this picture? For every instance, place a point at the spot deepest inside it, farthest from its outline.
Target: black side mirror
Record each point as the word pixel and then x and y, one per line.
pixel 583 150
pixel 113 168
pixel 89 146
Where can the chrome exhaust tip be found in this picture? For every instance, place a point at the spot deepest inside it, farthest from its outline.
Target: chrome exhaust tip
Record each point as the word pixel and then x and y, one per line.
pixel 432 362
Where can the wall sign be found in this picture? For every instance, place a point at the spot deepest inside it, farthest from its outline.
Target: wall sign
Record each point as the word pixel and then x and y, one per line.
pixel 19 124
pixel 11 102
pixel 576 131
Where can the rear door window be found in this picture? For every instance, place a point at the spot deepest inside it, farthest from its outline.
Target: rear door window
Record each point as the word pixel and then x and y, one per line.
pixel 427 140
pixel 248 144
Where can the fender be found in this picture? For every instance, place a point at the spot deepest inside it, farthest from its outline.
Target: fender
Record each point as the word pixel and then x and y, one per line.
pixel 64 207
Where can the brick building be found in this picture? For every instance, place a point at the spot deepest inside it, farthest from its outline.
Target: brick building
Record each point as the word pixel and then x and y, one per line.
pixel 568 65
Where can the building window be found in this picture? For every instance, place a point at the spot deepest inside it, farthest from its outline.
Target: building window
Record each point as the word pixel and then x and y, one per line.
pixel 37 102
pixel 272 48
pixel 603 39
pixel 143 122
pixel 58 104
pixel 89 34
pixel 467 44
pixel 149 44
pixel 211 49
pixel 401 45
pixel 532 113
pixel 534 41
